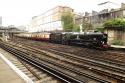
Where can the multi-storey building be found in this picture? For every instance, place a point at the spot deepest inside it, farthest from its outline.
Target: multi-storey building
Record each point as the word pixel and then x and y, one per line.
pixel 98 18
pixel 50 20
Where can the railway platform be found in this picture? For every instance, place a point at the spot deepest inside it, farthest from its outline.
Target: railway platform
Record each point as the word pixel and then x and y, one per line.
pixel 117 47
pixel 7 75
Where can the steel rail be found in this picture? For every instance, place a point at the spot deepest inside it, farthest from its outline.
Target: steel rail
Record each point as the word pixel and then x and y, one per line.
pixel 20 53
pixel 118 69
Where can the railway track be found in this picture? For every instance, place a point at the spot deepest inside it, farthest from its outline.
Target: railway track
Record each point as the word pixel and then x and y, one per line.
pixel 36 75
pixel 110 69
pixel 98 56
pixel 69 72
pixel 108 56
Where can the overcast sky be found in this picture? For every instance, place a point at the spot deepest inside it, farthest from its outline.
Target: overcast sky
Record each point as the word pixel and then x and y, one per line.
pixel 20 12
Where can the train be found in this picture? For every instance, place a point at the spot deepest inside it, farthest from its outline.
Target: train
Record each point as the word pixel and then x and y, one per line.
pixel 89 39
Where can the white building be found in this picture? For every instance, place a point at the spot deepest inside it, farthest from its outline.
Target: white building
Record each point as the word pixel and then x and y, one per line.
pixel 50 20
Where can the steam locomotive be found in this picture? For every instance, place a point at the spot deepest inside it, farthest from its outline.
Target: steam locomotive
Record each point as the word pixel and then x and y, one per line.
pixel 90 39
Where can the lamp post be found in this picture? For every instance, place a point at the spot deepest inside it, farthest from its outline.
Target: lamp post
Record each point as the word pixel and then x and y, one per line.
pixel 80 28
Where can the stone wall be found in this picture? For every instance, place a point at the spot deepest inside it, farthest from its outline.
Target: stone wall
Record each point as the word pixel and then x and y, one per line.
pixel 115 35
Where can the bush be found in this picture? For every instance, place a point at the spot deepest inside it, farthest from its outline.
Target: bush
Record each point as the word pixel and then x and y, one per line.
pixel 115 24
pixel 76 28
pixel 118 42
pixel 100 29
pixel 67 21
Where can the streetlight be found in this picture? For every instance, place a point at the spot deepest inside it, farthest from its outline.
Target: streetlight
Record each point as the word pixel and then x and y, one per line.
pixel 81 28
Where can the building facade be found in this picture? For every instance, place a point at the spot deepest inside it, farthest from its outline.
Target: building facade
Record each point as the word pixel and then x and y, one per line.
pixel 102 16
pixel 50 20
pixel 98 18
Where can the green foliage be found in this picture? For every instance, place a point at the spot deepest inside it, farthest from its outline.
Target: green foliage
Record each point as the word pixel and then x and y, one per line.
pixel 115 24
pixel 118 42
pixel 87 26
pixel 100 29
pixel 67 22
pixel 76 28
